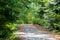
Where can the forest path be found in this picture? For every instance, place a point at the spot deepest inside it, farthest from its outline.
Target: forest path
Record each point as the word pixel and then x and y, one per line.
pixel 30 32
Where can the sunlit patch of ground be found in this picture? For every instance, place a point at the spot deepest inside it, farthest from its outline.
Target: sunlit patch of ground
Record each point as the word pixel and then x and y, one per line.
pixel 31 32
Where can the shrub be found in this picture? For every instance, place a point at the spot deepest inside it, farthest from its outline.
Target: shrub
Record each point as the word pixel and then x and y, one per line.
pixel 9 14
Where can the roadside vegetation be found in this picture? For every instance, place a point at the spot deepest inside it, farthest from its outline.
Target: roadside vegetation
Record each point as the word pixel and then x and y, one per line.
pixel 42 12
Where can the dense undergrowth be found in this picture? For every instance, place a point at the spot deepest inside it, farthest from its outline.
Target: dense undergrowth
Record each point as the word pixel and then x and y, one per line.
pixel 42 12
pixel 9 15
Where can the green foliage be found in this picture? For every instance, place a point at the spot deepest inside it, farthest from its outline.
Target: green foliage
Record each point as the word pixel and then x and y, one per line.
pixel 50 15
pixel 9 14
pixel 43 12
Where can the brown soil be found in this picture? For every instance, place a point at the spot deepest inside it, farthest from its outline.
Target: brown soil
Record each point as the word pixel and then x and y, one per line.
pixel 49 32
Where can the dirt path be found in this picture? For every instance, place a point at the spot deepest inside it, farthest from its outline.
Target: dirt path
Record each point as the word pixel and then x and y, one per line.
pixel 54 35
pixel 30 32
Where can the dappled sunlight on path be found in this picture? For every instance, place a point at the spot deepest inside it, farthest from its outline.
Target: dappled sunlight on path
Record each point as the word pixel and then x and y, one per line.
pixel 30 32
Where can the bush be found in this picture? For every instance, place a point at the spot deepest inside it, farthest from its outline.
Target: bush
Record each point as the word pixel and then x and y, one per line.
pixel 49 14
pixel 9 14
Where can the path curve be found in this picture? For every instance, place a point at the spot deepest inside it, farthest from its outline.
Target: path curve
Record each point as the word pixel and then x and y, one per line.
pixel 30 32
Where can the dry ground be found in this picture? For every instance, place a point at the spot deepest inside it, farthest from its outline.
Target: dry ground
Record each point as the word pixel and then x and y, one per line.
pixel 49 32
